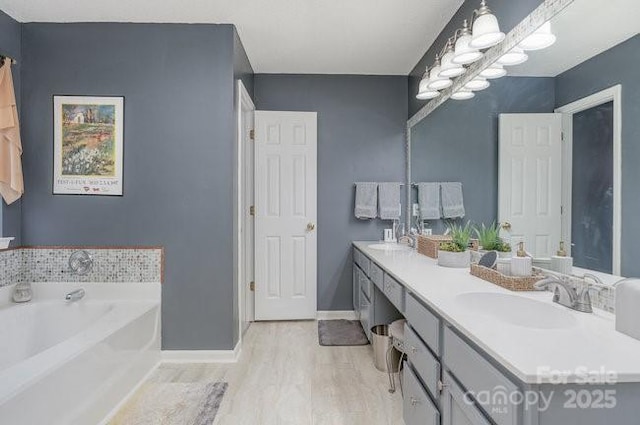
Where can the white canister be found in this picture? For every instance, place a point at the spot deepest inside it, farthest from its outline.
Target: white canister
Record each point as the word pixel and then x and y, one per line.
pixel 521 264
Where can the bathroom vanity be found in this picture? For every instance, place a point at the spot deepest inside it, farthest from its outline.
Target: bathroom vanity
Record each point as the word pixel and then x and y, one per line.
pixel 479 354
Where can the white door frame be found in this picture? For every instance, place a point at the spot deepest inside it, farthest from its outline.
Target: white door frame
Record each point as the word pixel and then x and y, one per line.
pixel 244 105
pixel 611 94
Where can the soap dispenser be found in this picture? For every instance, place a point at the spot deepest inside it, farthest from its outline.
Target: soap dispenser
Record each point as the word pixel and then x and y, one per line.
pixel 521 264
pixel 627 300
pixel 560 262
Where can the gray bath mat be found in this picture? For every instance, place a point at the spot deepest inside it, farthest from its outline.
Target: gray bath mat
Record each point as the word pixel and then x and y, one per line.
pixel 173 404
pixel 341 332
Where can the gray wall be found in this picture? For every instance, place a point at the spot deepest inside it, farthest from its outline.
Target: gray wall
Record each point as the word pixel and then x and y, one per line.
pixel 509 13
pixel 361 122
pixel 459 141
pixel 10 45
pixel 618 65
pixel 179 125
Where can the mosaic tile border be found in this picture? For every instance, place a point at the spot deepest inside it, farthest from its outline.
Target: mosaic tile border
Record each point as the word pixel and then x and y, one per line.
pixel 119 264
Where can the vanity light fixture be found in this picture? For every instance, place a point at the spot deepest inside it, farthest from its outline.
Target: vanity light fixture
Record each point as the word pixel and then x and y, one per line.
pixel 463 53
pixel 486 30
pixel 463 94
pixel 515 56
pixel 424 92
pixel 477 84
pixel 541 39
pixel 494 71
pixel 436 82
pixel 449 69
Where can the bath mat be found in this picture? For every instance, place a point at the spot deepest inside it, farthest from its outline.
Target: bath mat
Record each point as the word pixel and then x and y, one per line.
pixel 173 404
pixel 341 332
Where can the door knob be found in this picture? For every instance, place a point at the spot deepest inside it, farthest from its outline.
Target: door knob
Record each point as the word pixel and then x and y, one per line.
pixel 311 227
pixel 506 226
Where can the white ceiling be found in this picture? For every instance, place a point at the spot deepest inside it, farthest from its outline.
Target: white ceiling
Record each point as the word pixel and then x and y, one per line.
pixel 584 29
pixel 282 36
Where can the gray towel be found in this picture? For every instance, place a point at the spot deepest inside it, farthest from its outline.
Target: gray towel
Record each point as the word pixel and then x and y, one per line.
pixel 429 201
pixel 452 201
pixel 389 201
pixel 366 200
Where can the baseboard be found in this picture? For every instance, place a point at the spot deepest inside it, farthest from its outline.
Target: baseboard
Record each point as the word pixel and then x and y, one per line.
pixel 201 356
pixel 336 314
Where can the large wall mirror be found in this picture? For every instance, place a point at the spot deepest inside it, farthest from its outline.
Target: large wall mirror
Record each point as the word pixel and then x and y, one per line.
pixel 550 150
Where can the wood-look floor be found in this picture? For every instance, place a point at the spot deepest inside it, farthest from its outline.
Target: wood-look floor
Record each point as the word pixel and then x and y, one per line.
pixel 284 377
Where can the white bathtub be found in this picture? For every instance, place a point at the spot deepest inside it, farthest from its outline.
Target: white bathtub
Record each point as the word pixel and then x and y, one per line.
pixel 73 363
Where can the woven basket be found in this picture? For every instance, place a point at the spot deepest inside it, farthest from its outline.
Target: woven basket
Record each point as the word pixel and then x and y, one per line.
pixel 512 283
pixel 429 245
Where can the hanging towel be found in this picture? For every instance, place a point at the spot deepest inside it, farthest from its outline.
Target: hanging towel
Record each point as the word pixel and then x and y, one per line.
pixel 366 200
pixel 452 201
pixel 429 201
pixel 389 201
pixel 11 183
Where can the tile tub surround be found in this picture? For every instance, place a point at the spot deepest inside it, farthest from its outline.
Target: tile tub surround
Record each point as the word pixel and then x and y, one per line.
pixel 110 265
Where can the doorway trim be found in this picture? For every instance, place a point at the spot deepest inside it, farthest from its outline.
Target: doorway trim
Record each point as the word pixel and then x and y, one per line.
pixel 612 94
pixel 244 104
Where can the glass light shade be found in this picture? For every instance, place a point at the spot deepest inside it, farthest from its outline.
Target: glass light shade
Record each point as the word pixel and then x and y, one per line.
pixel 541 39
pixel 477 84
pixel 465 54
pixel 515 56
pixel 486 32
pixel 424 92
pixel 463 94
pixel 436 82
pixel 450 69
pixel 494 71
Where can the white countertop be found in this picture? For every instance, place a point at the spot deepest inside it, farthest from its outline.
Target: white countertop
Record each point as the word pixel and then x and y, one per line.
pixel 590 351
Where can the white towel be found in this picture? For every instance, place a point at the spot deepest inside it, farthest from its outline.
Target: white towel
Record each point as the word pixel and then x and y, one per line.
pixel 429 201
pixel 389 201
pixel 452 201
pixel 366 200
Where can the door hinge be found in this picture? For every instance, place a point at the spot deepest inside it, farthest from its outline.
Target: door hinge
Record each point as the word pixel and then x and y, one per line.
pixel 252 134
pixel 252 211
pixel 252 286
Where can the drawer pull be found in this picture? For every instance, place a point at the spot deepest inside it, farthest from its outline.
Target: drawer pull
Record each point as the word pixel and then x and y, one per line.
pixel 414 350
pixel 414 401
pixel 442 386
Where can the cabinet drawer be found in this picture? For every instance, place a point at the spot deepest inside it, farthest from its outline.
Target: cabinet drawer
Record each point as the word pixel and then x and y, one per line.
pixel 377 276
pixel 394 292
pixel 456 408
pixel 477 375
pixel 425 364
pixel 365 284
pixel 417 408
pixel 425 323
pixel 362 261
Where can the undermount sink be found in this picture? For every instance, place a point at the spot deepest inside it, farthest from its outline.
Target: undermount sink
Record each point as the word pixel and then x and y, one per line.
pixel 517 310
pixel 389 247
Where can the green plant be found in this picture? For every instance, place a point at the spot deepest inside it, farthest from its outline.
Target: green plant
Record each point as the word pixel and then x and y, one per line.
pixel 502 246
pixel 460 235
pixel 488 236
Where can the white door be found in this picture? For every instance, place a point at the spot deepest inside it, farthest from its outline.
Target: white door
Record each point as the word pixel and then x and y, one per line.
pixel 286 212
pixel 530 180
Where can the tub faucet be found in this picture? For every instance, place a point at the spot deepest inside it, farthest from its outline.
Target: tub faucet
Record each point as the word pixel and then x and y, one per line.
pixel 76 295
pixel 566 294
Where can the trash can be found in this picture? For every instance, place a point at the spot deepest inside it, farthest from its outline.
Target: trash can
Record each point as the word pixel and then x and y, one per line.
pixel 382 342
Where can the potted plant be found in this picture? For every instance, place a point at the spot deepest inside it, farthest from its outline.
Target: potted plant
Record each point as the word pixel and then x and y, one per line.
pixel 490 240
pixel 456 253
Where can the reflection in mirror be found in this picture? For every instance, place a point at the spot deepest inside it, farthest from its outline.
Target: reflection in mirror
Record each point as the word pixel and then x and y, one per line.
pixel 505 145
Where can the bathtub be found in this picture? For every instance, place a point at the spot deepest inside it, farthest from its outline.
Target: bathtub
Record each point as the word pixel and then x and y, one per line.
pixel 74 363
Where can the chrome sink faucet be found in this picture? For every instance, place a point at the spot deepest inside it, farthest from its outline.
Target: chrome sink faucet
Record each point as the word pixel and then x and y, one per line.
pixel 76 295
pixel 566 294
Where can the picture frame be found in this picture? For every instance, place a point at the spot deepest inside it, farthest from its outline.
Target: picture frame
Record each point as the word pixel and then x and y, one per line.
pixel 88 153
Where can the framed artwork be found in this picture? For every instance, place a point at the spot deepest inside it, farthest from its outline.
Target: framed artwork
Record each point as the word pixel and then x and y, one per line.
pixel 88 145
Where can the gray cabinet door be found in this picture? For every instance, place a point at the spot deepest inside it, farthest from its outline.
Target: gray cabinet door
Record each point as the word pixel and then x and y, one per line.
pixel 417 408
pixel 356 290
pixel 458 409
